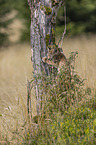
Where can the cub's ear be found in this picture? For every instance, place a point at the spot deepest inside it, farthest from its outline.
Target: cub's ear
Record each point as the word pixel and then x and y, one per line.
pixel 44 59
pixel 60 49
pixel 49 48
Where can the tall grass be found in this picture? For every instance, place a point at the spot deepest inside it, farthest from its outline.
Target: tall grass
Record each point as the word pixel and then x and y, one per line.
pixel 78 121
pixel 68 112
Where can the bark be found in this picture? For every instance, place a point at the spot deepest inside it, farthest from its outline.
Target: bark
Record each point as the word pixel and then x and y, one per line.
pixel 43 19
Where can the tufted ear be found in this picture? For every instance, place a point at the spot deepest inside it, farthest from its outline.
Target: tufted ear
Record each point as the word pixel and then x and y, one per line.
pixel 48 47
pixel 60 49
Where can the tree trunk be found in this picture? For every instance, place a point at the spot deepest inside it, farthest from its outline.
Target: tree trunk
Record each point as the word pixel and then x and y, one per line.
pixel 43 19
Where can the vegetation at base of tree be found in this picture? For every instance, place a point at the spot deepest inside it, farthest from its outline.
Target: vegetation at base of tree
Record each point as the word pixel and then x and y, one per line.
pixel 75 126
pixel 68 113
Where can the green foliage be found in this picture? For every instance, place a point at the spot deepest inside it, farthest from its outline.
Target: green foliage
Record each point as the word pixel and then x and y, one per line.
pixel 80 17
pixel 4 22
pixel 65 89
pixel 68 114
pixel 3 38
pixel 75 126
pixel 24 14
pixel 68 111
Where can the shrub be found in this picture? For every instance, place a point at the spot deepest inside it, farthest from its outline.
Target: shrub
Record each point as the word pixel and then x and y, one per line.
pixel 65 118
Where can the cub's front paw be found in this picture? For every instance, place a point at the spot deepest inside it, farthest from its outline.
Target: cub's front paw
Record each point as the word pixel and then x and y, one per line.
pixel 44 59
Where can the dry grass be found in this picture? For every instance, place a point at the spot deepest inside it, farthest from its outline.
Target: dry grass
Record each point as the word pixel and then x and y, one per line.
pixel 16 67
pixel 86 62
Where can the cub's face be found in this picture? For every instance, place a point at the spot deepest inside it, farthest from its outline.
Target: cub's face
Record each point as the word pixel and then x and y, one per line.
pixel 50 53
pixel 55 58
pixel 53 50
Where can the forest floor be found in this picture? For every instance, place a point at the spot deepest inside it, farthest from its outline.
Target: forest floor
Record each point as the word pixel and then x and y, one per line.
pixel 16 68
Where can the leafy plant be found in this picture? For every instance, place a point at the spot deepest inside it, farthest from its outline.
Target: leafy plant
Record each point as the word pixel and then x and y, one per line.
pixel 65 118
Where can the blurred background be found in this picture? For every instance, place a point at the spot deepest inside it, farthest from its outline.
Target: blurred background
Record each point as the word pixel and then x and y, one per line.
pixel 15 53
pixel 81 18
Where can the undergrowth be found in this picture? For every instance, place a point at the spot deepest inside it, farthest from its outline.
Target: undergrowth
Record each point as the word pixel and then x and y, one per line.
pixel 68 114
pixel 68 111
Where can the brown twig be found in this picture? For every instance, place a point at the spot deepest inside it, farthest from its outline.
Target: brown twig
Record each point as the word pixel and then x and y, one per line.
pixel 29 108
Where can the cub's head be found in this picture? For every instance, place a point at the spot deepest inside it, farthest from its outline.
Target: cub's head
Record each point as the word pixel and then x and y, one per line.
pixel 53 50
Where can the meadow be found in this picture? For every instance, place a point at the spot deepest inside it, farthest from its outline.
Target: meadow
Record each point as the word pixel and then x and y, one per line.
pixel 16 68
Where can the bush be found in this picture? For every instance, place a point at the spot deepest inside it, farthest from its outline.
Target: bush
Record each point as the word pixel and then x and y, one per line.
pixel 67 115
pixel 65 118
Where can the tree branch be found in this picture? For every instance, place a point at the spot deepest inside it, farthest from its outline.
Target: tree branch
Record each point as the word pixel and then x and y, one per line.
pixel 61 39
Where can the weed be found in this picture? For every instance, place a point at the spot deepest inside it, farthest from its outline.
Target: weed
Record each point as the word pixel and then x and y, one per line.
pixel 64 119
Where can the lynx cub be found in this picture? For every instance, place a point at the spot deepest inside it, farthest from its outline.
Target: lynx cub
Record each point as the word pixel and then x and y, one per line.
pixel 55 58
